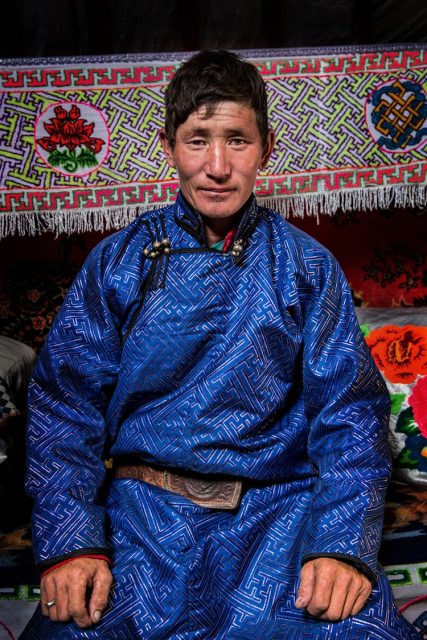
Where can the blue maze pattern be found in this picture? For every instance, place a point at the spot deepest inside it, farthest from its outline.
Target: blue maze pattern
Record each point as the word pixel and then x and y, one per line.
pixel 251 365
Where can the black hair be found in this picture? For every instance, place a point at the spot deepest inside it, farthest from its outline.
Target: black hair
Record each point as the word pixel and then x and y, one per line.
pixel 210 77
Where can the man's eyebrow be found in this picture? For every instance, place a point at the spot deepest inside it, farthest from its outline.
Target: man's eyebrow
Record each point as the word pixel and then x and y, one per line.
pixel 202 131
pixel 237 132
pixel 197 131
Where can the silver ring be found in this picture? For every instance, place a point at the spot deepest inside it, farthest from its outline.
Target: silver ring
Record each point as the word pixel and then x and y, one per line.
pixel 50 604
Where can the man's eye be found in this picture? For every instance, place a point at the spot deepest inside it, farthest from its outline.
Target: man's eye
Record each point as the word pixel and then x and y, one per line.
pixel 237 141
pixel 197 142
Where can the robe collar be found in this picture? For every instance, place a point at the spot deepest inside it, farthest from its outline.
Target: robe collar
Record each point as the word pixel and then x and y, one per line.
pixel 190 220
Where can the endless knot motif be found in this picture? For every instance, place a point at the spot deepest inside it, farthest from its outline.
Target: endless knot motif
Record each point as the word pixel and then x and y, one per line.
pixel 397 114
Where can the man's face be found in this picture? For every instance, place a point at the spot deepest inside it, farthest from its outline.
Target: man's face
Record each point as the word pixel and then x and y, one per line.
pixel 218 158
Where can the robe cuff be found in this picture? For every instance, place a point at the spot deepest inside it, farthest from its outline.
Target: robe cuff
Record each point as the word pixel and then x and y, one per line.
pixel 355 562
pixel 47 566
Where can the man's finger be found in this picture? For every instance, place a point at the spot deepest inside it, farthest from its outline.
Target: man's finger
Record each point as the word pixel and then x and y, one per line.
pixel 79 582
pixel 306 586
pixel 358 592
pixel 61 600
pixel 48 598
pixel 343 591
pixel 100 590
pixel 362 598
pixel 322 592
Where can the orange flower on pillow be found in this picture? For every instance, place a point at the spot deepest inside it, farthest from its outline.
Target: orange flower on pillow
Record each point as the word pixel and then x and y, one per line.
pixel 399 352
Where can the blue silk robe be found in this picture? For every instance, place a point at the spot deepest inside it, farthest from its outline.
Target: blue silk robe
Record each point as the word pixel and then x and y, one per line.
pixel 251 366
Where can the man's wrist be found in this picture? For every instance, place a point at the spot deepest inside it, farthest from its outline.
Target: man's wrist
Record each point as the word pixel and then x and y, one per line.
pixel 94 556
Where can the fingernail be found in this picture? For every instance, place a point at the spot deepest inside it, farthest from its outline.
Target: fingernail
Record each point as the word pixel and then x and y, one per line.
pixel 96 616
pixel 299 602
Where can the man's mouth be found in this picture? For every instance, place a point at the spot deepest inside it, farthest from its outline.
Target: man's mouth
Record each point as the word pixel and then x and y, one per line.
pixel 217 190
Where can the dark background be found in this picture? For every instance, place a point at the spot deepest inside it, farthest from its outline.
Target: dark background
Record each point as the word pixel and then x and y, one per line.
pixel 95 27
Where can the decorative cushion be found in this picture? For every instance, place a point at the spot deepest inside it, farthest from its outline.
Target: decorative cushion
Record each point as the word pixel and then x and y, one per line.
pixel 7 405
pixel 403 551
pixel 7 410
pixel 397 338
pixel 16 364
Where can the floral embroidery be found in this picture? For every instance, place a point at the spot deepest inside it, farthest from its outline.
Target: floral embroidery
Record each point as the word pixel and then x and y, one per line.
pixel 39 322
pixel 418 402
pixel 412 456
pixel 399 352
pixel 397 265
pixel 33 295
pixel 69 133
pixel 397 400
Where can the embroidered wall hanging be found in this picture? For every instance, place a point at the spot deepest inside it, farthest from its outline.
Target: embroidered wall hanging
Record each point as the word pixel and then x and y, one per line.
pixel 79 136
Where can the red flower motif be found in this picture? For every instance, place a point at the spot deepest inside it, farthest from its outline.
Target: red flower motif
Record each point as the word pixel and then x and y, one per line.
pixel 38 322
pixel 418 402
pixel 399 352
pixel 69 130
pixel 33 295
pixel 95 144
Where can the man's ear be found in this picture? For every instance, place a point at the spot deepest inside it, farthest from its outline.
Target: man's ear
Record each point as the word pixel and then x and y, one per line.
pixel 167 149
pixel 271 139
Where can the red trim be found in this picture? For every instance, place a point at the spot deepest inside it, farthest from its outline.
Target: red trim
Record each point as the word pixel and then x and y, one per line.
pixel 8 631
pixel 59 564
pixel 228 240
pixel 411 602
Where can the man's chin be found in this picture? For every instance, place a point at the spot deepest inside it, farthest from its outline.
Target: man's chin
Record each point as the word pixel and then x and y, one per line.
pixel 217 212
pixel 218 205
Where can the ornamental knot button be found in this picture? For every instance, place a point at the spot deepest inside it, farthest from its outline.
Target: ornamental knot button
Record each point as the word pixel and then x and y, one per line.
pixel 237 248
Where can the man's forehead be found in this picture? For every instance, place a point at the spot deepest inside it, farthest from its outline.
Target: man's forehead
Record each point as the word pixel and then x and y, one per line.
pixel 213 107
pixel 226 109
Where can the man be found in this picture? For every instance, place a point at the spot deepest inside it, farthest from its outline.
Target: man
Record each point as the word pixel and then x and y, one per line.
pixel 212 350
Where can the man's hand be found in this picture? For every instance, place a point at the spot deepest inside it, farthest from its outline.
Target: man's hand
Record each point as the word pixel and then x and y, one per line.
pixel 79 589
pixel 332 590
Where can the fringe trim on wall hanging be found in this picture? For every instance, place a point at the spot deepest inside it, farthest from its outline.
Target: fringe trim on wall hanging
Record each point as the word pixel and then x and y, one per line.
pixel 79 148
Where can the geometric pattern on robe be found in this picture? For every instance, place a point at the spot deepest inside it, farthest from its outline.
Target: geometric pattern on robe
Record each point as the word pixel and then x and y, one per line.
pixel 250 366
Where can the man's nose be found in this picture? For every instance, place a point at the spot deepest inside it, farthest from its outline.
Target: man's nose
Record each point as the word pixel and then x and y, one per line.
pixel 217 164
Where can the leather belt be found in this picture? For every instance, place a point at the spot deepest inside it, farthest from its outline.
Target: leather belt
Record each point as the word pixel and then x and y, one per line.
pixel 206 491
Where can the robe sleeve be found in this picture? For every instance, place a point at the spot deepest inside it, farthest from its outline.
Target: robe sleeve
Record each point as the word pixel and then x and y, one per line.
pixel 347 409
pixel 69 394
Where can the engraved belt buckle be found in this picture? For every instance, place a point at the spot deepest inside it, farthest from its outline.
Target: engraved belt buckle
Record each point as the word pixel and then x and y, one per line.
pixel 214 494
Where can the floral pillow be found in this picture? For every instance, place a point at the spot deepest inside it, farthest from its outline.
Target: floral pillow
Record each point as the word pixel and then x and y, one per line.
pixel 7 404
pixel 35 291
pixel 397 338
